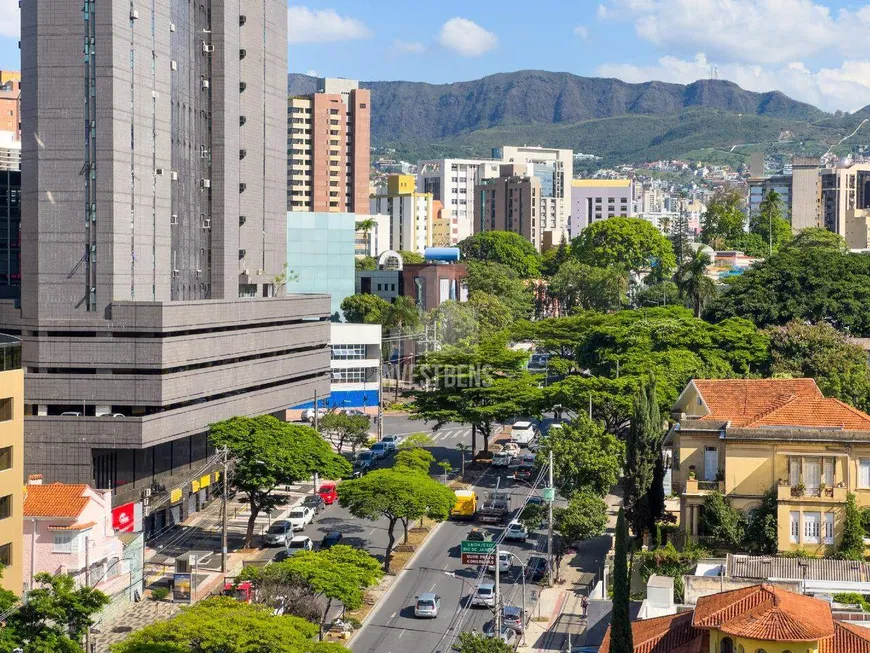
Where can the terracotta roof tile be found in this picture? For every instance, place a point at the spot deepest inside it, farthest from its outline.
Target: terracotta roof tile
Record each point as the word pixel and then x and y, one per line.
pixel 669 634
pixel 55 500
pixel 737 400
pixel 820 413
pixel 847 638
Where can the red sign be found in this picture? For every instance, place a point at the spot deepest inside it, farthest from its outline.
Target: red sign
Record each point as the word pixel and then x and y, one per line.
pixel 122 518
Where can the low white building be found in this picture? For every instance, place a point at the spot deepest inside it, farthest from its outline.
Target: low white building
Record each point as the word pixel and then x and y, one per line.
pixel 355 366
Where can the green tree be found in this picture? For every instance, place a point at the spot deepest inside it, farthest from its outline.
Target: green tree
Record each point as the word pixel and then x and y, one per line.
pixel 411 258
pixel 642 454
pixel 504 247
pixel 464 323
pixel 810 284
pixel 820 352
pixel 365 263
pixel 345 429
pixel 267 453
pixel 693 282
pixel 852 542
pixel 396 495
pixel 415 441
pixel 611 399
pixel 750 244
pixel 721 522
pixel 761 534
pixel 416 459
pixel 818 237
pixel 55 616
pixel 366 226
pixel 401 314
pixel 553 258
pixel 621 639
pixel 585 457
pixel 340 573
pixel 585 516
pixel 627 244
pixel 533 515
pixel 769 223
pixel 490 312
pixel 364 309
pixel 577 285
pixel 505 283
pixel 224 625
pixel 724 218
pixel 475 643
pixel 664 293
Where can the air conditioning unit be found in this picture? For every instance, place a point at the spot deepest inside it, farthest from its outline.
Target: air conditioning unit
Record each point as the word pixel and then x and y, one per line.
pixel 174 65
pixel 205 183
pixel 173 175
pixel 242 187
pixel 173 219
pixel 171 27
pixel 205 84
pixel 206 224
pixel 242 20
pixel 243 53
pixel 203 152
pixel 207 48
pixel 134 14
pixel 159 172
pixel 242 154
pixel 198 274
pixel 242 87
pixel 175 273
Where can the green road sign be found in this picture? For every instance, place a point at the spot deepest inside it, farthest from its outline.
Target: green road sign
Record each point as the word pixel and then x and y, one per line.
pixel 468 546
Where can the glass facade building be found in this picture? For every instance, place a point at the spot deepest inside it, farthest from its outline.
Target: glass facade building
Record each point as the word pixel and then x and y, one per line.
pixel 10 234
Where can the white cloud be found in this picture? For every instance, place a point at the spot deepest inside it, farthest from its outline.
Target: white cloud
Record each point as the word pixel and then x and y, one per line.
pixel 10 18
pixel 408 47
pixel 306 25
pixel 582 31
pixel 466 38
pixel 751 31
pixel 311 73
pixel 846 87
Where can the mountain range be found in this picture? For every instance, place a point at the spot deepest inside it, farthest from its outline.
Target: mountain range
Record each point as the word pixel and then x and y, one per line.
pixel 712 120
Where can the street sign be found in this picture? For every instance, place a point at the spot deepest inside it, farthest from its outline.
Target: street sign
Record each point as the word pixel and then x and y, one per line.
pixel 469 546
pixel 478 558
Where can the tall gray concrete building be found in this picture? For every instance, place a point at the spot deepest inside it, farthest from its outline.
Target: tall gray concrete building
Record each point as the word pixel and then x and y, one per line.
pixel 154 238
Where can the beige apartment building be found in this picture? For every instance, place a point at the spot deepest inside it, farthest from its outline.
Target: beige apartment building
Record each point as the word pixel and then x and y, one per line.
pixel 407 216
pixel 510 202
pixel 328 146
pixel 11 463
pixel 805 192
pixel 845 203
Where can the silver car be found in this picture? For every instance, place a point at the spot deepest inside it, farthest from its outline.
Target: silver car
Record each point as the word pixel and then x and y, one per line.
pixel 278 533
pixel 484 596
pixel 427 605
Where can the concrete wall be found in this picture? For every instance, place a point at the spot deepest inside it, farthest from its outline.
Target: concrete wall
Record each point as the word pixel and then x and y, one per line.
pixel 697 586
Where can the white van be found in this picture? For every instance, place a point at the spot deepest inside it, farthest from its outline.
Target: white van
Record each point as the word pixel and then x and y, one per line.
pixel 523 432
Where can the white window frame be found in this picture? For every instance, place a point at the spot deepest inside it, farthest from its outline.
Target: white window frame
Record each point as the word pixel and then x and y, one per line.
pixel 864 473
pixel 68 543
pixel 829 528
pixel 812 529
pixel 794 526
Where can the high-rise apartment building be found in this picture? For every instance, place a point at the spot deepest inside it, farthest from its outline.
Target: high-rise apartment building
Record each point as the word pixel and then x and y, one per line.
pixel 805 193
pixel 510 202
pixel 555 169
pixel 10 234
pixel 154 204
pixel 452 182
pixel 845 203
pixel 411 215
pixel 10 107
pixel 759 187
pixel 598 199
pixel 328 147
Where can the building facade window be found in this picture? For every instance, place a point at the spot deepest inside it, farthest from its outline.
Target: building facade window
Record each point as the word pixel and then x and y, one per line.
pixel 348 352
pixel 6 506
pixel 349 375
pixel 794 526
pixel 6 554
pixel 812 527
pixel 63 542
pixel 864 473
pixel 5 458
pixel 829 528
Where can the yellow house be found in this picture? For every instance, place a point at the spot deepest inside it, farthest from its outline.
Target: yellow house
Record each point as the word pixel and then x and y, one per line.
pixel 755 619
pixel 743 437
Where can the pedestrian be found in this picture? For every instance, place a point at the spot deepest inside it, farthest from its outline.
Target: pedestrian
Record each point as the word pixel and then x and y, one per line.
pixel 585 603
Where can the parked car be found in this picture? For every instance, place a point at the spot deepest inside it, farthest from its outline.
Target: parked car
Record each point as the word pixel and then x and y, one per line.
pixel 360 468
pixel 537 568
pixel 299 543
pixel 484 596
pixel 505 562
pixel 113 415
pixel 315 502
pixel 70 413
pixel 278 533
pixel 528 458
pixel 308 414
pixel 351 412
pixel 391 439
pixel 380 450
pixel 511 447
pixel 331 539
pixel 508 635
pixel 300 517
pixel 516 531
pixel 328 493
pixel 365 456
pixel 478 535
pixel 513 617
pixel 427 605
pixel 524 473
pixel 502 459
pixel 523 432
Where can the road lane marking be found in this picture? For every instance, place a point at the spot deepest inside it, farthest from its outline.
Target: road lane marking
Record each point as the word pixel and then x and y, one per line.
pixel 432 589
pixel 401 633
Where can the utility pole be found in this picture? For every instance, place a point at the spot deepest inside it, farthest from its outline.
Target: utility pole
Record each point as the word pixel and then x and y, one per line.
pixel 226 489
pixel 550 495
pixel 497 596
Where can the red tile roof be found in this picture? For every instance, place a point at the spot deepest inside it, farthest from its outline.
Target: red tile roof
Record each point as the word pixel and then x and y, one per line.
pixel 55 500
pixel 669 634
pixel 758 403
pixel 847 638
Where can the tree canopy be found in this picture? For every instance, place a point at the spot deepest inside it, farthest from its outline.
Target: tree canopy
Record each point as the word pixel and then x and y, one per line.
pixel 643 456
pixel 342 429
pixel 224 625
pixel 267 453
pixel 627 244
pixel 577 285
pixel 504 247
pixel 770 223
pixel 364 309
pixel 504 283
pixel 585 516
pixel 723 221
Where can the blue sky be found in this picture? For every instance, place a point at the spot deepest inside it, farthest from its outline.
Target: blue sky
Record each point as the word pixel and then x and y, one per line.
pixel 810 49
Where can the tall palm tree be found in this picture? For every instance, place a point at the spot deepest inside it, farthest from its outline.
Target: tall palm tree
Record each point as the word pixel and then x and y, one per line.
pixel 366 227
pixel 694 283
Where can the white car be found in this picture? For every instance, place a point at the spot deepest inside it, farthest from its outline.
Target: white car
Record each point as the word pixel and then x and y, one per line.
pixel 502 459
pixel 299 543
pixel 308 414
pixel 524 432
pixel 300 517
pixel 484 596
pixel 516 531
pixel 505 562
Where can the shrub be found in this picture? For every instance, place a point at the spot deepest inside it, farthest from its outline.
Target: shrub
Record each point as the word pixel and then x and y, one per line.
pixel 159 593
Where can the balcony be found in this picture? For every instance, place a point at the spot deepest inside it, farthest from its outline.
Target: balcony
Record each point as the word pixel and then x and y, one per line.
pixel 798 493
pixel 696 487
